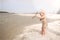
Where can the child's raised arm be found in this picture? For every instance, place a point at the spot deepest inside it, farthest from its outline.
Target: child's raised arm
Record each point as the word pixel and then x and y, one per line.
pixel 35 15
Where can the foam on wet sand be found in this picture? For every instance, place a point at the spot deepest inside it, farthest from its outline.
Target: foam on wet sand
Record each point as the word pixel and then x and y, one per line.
pixel 32 32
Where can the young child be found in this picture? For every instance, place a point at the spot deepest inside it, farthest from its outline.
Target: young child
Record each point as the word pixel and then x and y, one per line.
pixel 42 18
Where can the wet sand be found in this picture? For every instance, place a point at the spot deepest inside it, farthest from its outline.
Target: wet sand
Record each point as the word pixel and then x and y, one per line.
pixel 12 24
pixel 33 32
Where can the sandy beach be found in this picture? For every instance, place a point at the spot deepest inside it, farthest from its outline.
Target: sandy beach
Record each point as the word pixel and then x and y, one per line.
pixel 13 25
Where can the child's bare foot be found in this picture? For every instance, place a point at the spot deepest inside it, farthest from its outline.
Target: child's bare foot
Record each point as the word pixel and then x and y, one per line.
pixel 42 33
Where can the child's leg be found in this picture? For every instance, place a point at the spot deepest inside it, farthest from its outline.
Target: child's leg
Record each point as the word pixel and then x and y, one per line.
pixel 43 29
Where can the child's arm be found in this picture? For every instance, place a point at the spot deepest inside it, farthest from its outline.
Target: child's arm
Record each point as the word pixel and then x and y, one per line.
pixel 42 17
pixel 35 15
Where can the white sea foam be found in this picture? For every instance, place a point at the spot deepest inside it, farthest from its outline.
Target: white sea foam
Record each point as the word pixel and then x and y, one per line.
pixel 32 32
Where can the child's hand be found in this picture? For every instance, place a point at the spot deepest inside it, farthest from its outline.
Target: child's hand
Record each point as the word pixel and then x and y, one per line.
pixel 33 17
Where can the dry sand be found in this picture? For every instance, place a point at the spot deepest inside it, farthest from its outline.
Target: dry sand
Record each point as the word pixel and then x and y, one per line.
pixel 12 25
